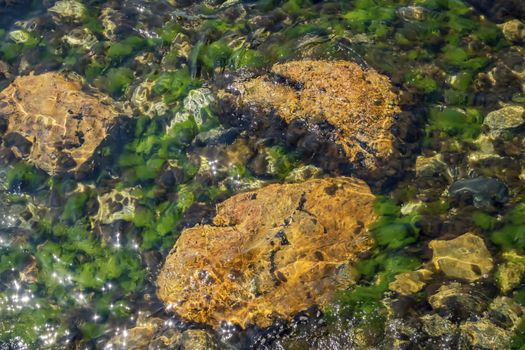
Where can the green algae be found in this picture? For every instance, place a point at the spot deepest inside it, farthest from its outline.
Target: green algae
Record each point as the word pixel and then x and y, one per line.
pixel 454 122
pixel 115 80
pixel 175 85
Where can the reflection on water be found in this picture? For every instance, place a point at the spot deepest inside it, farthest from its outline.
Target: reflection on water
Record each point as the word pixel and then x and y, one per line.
pixel 79 255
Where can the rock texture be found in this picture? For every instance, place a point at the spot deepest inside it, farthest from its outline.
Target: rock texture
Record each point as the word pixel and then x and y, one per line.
pixel 505 119
pixel 60 123
pixel 465 257
pixel 335 111
pixel 269 253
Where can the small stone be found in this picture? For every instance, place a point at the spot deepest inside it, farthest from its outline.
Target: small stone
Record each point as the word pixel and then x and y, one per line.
pixel 484 192
pixel 410 282
pixel 412 13
pixel 115 205
pixel 411 207
pixel 459 301
pixel 505 119
pixel 304 173
pixel 436 326
pixel 483 334
pixel 485 150
pixel 505 312
pixel 138 337
pixel 510 274
pixel 432 166
pixel 196 105
pixel 80 37
pixel 465 257
pixel 198 339
pixel 69 9
pixel 514 30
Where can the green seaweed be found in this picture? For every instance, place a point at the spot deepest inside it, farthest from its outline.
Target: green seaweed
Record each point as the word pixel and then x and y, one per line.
pixel 115 80
pixel 391 230
pixel 175 85
pixel 122 49
pixel 25 177
pixel 455 122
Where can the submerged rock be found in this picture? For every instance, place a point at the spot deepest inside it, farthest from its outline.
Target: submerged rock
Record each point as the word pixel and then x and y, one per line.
pixel 432 166
pixel 334 111
pixel 138 337
pixel 483 334
pixel 505 312
pixel 459 301
pixel 115 205
pixel 69 9
pixel 514 30
pixel 410 282
pixel 484 192
pixel 152 333
pixel 269 253
pixel 435 325
pixel 464 257
pixel 505 119
pixel 55 123
pixel 511 272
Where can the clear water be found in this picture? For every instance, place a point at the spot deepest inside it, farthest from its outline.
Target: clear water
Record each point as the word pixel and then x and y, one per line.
pixel 69 278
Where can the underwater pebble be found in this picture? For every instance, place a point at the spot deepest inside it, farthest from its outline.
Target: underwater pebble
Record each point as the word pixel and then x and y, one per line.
pixel 459 301
pixel 505 119
pixel 485 191
pixel 465 257
pixel 412 13
pixel 514 30
pixel 436 326
pixel 505 312
pixel 69 8
pixel 410 282
pixel 483 334
pixel 511 271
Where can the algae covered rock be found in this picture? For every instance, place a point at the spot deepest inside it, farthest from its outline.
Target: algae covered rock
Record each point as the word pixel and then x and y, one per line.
pixel 505 119
pixel 437 326
pixel 269 253
pixel 483 334
pixel 465 257
pixel 510 273
pixel 55 123
pixel 335 111
pixel 514 30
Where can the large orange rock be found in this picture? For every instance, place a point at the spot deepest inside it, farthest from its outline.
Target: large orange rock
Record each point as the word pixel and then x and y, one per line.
pixel 335 110
pixel 271 252
pixel 63 122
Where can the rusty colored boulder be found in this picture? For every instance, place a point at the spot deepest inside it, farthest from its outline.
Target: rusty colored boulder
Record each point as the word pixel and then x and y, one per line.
pixel 336 111
pixel 270 253
pixel 60 123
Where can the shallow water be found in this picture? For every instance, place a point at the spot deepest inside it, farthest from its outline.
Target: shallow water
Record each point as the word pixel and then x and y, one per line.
pixel 73 276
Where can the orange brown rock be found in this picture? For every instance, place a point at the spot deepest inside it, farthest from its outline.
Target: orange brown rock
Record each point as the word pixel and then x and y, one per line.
pixel 270 253
pixel 357 103
pixel 63 122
